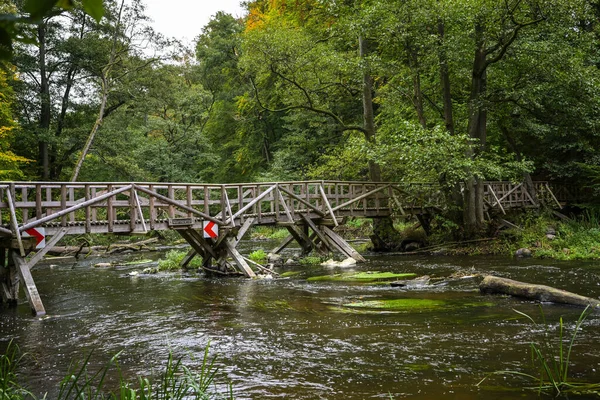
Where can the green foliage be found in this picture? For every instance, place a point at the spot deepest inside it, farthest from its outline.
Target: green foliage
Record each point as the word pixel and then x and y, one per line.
pixel 311 260
pixel 176 382
pixel 268 232
pixel 552 359
pixel 577 239
pixel 172 261
pixel 10 389
pixel 258 256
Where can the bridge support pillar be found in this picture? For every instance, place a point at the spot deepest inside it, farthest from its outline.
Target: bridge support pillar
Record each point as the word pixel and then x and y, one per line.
pixel 323 239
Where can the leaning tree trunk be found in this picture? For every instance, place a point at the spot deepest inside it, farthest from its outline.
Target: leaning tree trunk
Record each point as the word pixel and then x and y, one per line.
pixel 385 237
pixel 496 285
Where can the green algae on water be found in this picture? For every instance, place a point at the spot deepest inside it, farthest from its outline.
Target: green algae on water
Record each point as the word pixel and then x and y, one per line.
pixel 399 304
pixel 362 277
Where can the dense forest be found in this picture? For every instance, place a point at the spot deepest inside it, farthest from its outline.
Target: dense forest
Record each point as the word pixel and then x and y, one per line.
pixel 451 92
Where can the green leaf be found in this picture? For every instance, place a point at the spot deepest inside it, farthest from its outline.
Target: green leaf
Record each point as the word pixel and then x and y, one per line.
pixel 5 44
pixel 39 8
pixel 94 8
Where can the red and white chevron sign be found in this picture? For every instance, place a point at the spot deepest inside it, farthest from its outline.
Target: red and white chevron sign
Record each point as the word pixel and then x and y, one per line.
pixel 39 234
pixel 210 230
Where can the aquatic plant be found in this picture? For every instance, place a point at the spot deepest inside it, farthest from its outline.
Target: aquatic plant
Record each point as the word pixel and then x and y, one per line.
pixel 553 361
pixel 172 261
pixel 9 386
pixel 311 260
pixel 258 255
pixel 268 232
pixel 364 277
pixel 176 382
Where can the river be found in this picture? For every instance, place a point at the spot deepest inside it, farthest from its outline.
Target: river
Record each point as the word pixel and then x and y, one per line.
pixel 291 338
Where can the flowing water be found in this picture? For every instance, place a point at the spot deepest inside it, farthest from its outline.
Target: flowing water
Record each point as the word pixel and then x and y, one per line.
pixel 291 338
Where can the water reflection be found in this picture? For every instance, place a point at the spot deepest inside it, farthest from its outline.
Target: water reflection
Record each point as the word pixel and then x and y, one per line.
pixel 291 338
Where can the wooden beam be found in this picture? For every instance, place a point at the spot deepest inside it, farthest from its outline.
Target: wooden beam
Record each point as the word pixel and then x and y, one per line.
pixel 342 245
pixel 250 204
pixel 74 208
pixel 177 204
pixel 301 200
pixel 242 231
pixel 33 296
pixel 238 259
pixel 283 244
pixel 197 242
pixel 13 219
pixel 326 201
pixel 188 258
pixel 363 196
pixel 49 245
pixel 317 231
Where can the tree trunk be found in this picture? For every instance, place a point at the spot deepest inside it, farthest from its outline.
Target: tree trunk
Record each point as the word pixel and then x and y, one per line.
pixel 45 111
pixel 477 129
pixel 385 237
pixel 413 63
pixel 91 137
pixel 105 83
pixel 445 79
pixel 496 285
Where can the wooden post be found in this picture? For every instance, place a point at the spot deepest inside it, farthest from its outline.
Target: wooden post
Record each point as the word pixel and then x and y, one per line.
pixel 13 217
pixel 33 297
pixel 110 212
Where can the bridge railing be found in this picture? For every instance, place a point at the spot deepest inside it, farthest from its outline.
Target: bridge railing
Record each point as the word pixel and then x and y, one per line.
pixel 131 207
pixel 122 207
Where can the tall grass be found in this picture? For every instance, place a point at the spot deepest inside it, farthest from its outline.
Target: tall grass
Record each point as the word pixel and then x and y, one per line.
pixel 175 382
pixel 552 359
pixel 9 386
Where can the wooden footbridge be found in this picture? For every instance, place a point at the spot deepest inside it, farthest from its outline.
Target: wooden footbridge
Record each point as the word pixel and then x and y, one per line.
pixel 212 218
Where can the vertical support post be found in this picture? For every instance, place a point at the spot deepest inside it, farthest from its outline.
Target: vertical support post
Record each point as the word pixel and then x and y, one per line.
pixel 88 211
pixel 132 209
pixel 152 208
pixel 63 204
pixel 38 201
pixel 171 195
pixel 110 212
pixel 13 217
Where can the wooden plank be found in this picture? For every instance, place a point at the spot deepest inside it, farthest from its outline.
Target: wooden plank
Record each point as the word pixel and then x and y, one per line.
pixel 329 209
pixel 285 207
pixel 306 203
pixel 283 244
pixel 139 210
pixel 74 208
pixel 238 259
pixel 358 198
pixel 242 231
pixel 343 245
pixel 175 203
pixel 153 215
pixel 38 201
pixel 317 231
pixel 33 296
pixel 189 257
pixel 110 211
pixel 63 204
pixel 49 245
pixel 13 219
pixel 204 246
pixel 88 214
pixel 251 204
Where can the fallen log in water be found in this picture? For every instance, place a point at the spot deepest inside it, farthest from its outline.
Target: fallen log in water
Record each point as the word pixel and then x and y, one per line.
pixel 496 285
